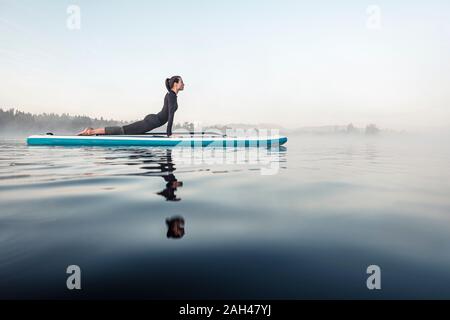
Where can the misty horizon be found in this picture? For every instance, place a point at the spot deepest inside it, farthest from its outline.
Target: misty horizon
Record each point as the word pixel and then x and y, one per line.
pixel 14 117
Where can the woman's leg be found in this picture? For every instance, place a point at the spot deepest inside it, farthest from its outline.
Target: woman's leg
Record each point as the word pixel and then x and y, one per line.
pixel 113 130
pixel 140 127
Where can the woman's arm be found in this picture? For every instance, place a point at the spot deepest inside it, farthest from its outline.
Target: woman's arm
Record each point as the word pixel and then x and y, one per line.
pixel 172 100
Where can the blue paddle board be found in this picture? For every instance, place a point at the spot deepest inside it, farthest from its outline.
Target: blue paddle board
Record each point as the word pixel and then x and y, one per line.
pixel 155 141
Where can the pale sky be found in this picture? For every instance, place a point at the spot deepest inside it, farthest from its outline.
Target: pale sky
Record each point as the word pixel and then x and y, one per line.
pixel 295 63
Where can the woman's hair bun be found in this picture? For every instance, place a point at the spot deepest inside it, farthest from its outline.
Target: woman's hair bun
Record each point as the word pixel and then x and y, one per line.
pixel 171 81
pixel 168 84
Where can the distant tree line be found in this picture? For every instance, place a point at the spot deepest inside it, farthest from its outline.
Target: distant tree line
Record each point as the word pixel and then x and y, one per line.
pixel 13 120
pixel 350 129
pixel 370 129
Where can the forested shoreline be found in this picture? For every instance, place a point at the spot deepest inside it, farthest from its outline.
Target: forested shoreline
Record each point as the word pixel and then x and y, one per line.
pixel 14 122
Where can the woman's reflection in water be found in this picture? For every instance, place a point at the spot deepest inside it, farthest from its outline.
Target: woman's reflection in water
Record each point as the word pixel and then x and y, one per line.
pixel 167 168
pixel 175 227
pixel 171 186
pixel 158 163
pixel 164 168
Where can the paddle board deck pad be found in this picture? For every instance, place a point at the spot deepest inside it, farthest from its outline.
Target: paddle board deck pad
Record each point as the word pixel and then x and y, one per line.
pixel 155 141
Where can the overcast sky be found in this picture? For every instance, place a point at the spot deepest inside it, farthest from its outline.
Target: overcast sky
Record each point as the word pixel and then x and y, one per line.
pixel 295 63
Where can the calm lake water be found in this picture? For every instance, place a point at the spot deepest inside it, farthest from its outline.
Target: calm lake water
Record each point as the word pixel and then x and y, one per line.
pixel 301 221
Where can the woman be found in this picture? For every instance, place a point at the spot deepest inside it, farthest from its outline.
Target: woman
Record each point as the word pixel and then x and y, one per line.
pixel 151 121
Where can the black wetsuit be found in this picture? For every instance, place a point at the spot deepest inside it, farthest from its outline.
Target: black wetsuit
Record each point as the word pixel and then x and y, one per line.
pixel 151 121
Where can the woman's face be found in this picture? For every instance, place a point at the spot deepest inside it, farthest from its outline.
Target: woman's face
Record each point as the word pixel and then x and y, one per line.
pixel 179 85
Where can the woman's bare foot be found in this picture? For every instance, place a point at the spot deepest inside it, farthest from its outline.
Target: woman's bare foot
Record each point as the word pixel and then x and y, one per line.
pixel 86 132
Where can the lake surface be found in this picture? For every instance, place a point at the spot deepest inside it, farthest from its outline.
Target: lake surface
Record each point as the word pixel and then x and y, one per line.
pixel 300 221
